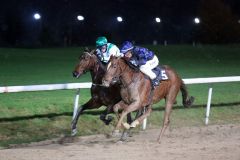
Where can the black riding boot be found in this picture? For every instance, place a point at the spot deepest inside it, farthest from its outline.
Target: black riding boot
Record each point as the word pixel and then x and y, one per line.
pixel 156 81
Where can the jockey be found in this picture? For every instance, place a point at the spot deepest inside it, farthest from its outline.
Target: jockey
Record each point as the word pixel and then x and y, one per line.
pixel 105 50
pixel 142 58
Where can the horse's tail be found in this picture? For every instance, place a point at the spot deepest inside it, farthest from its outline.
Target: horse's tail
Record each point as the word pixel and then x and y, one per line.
pixel 186 100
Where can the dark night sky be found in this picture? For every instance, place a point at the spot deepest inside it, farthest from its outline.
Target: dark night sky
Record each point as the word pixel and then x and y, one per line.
pixel 100 18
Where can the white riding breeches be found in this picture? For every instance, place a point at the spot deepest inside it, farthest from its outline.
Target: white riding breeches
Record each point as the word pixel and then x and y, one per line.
pixel 147 68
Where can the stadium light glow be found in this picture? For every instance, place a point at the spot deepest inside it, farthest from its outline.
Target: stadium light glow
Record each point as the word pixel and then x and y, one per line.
pixel 80 18
pixel 157 19
pixel 119 19
pixel 196 20
pixel 37 16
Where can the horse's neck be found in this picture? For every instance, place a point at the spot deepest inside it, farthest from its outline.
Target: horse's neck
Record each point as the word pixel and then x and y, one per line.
pixel 128 76
pixel 97 72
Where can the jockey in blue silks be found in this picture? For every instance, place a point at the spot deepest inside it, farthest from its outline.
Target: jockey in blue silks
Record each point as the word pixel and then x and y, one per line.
pixel 105 50
pixel 143 58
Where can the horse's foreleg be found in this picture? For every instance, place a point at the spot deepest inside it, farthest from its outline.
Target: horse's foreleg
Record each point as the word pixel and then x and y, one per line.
pixel 142 117
pixel 127 109
pixel 104 117
pixel 127 131
pixel 91 104
pixel 129 118
pixel 120 105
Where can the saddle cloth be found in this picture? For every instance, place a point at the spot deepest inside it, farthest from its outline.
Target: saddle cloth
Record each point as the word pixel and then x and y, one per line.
pixel 160 73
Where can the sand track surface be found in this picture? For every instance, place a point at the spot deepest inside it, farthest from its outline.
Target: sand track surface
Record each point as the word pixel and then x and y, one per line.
pixel 215 142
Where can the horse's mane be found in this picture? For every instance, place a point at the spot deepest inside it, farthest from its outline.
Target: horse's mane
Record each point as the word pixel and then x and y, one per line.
pixel 134 68
pixel 101 65
pixel 98 62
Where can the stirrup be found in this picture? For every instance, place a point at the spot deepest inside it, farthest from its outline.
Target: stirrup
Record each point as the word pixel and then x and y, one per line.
pixel 155 82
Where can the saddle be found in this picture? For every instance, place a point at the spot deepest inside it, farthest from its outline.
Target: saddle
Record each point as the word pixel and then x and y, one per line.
pixel 160 75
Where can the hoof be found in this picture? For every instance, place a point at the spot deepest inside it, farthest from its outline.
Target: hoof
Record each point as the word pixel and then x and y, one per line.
pixel 159 140
pixel 110 118
pixel 124 136
pixel 116 133
pixel 107 122
pixel 102 117
pixel 126 125
pixel 74 132
pixel 134 124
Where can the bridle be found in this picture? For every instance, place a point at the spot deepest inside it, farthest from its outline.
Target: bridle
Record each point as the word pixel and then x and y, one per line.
pixel 121 73
pixel 96 68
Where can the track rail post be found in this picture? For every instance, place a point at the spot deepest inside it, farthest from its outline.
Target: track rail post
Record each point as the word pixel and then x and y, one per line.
pixel 75 107
pixel 208 105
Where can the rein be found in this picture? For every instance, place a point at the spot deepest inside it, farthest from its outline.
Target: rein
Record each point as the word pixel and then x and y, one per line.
pixel 98 64
pixel 94 70
pixel 94 84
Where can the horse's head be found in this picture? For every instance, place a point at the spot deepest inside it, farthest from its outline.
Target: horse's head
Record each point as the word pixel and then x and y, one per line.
pixel 86 62
pixel 114 71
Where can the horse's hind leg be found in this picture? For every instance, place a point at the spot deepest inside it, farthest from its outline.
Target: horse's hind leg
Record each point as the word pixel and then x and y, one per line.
pixel 170 99
pixel 91 104
pixel 166 121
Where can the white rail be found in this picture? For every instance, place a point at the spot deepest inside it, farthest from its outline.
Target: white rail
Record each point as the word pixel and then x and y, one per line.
pixel 44 87
pixel 212 80
pixel 47 87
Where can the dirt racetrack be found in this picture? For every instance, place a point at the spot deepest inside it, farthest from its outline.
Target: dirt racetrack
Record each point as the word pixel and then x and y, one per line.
pixel 216 142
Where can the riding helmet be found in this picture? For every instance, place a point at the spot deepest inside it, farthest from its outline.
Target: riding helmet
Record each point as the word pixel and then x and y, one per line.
pixel 126 46
pixel 101 41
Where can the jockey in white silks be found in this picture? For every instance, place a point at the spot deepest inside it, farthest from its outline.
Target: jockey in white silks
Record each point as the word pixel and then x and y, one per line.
pixel 105 50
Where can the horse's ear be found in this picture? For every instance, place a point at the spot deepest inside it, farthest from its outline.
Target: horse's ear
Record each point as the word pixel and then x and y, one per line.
pixel 86 49
pixel 93 52
pixel 111 57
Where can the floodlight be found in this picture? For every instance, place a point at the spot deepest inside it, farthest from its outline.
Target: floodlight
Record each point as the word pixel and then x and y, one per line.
pixel 37 16
pixel 80 18
pixel 157 19
pixel 119 19
pixel 196 20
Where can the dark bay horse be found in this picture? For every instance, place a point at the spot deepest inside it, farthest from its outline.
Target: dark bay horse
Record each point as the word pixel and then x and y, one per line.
pixel 137 92
pixel 100 95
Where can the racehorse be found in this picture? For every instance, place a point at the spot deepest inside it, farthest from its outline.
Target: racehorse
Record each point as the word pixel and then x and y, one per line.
pixel 137 92
pixel 100 95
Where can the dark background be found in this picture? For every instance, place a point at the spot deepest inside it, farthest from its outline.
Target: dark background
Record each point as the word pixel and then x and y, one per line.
pixel 59 26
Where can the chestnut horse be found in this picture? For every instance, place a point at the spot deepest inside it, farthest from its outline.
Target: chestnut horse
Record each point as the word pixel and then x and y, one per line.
pixel 137 92
pixel 100 95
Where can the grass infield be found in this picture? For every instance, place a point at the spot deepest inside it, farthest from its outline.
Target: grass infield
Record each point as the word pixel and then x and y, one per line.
pixel 34 116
